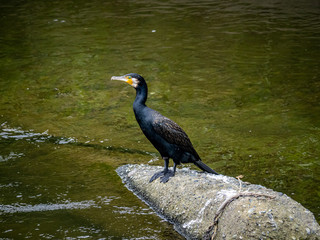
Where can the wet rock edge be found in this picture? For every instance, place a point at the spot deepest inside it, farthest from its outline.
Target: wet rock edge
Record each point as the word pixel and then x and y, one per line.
pixel 294 221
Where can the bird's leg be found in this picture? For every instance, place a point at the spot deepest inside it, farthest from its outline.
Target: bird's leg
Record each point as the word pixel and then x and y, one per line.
pixel 166 165
pixel 174 168
pixel 161 173
pixel 165 178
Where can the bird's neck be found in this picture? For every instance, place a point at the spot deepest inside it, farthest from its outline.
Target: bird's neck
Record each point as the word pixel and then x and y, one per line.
pixel 141 97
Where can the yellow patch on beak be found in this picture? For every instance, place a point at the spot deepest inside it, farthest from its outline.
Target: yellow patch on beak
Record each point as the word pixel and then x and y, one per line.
pixel 129 80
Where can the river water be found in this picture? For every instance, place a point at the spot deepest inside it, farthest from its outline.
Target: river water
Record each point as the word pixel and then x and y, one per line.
pixel 241 77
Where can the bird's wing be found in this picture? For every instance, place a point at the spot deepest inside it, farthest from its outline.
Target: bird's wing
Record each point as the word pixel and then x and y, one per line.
pixel 172 132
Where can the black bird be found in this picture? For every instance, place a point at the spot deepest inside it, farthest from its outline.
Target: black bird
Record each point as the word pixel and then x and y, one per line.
pixel 165 135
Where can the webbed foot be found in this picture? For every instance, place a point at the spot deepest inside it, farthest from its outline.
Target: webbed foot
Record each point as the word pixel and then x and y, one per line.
pixel 156 175
pixel 165 178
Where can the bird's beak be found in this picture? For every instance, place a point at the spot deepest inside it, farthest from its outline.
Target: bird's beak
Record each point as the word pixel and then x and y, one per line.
pixel 123 78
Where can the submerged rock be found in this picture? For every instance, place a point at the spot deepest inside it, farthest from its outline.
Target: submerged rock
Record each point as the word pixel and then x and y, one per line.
pixel 204 206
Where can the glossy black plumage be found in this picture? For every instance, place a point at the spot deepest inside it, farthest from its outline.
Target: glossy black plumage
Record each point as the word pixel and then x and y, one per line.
pixel 165 135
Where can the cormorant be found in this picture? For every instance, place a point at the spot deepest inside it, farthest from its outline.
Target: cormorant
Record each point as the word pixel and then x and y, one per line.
pixel 165 135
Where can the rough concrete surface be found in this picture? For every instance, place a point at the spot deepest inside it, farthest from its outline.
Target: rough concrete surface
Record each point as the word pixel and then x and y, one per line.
pixel 191 200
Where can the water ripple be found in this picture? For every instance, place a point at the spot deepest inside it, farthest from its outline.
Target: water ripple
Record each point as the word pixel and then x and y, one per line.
pixel 19 134
pixel 15 134
pixel 23 208
pixel 12 155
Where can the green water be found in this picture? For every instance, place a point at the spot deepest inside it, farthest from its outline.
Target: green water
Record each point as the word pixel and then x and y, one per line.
pixel 241 77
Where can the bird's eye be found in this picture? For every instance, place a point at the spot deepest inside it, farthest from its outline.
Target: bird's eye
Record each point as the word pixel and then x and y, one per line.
pixel 129 77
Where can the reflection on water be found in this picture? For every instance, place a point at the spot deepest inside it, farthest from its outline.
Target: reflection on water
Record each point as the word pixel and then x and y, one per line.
pixel 242 79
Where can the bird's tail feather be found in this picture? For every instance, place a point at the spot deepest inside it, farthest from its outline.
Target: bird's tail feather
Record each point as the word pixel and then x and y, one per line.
pixel 204 167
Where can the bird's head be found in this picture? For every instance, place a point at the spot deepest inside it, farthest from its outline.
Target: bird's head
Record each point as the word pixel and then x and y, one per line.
pixel 133 79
